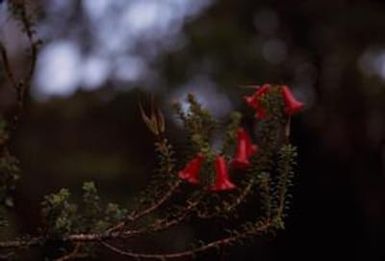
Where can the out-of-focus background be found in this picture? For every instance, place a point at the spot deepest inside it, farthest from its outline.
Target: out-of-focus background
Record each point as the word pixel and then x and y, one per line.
pixel 101 56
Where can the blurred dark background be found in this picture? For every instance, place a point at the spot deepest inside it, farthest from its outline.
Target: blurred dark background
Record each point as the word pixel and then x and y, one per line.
pixel 100 57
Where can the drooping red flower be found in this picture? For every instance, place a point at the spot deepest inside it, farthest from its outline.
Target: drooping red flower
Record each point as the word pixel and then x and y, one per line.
pixel 222 181
pixel 260 113
pixel 264 88
pixel 251 148
pixel 241 159
pixel 245 149
pixel 190 173
pixel 254 101
pixel 292 105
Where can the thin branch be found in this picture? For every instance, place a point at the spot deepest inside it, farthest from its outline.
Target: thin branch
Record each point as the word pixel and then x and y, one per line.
pixel 176 220
pixel 93 237
pixel 192 252
pixel 164 149
pixel 135 216
pixel 73 254
pixel 33 44
pixel 36 241
pixel 7 66
pixel 21 86
pixel 227 208
pixel 160 225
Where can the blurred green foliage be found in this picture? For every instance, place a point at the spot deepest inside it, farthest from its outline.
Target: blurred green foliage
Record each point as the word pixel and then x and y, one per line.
pixel 90 215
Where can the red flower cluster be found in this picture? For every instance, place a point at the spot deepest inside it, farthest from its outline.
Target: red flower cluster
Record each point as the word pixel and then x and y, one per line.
pixel 292 105
pixel 245 149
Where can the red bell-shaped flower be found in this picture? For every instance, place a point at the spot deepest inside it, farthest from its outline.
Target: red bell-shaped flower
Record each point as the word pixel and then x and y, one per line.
pixel 254 101
pixel 222 181
pixel 241 159
pixel 245 149
pixel 292 105
pixel 263 89
pixel 251 148
pixel 260 113
pixel 190 172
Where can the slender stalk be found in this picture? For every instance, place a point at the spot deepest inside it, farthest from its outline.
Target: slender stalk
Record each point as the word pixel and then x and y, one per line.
pixel 227 208
pixel 7 66
pixel 192 252
pixel 135 216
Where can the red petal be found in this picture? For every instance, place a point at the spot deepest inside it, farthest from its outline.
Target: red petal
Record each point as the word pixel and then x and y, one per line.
pixel 292 105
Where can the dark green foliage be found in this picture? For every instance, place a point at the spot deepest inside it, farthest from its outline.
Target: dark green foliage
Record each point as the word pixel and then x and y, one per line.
pixel 166 157
pixel 90 215
pixel 286 162
pixel 113 213
pixel 230 138
pixel 94 215
pixel 3 132
pixel 58 213
pixel 270 131
pixel 164 177
pixel 199 124
pixel 264 186
pixel 91 208
pixel 9 172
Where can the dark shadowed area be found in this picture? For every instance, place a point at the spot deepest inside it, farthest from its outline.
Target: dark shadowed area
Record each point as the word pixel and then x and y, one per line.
pixel 100 58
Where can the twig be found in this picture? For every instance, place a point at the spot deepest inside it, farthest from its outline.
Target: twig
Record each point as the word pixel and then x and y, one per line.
pixel 25 84
pixel 231 207
pixel 164 149
pixel 135 216
pixel 157 204
pixel 33 44
pixel 176 220
pixel 192 252
pixel 36 241
pixel 93 237
pixel 6 256
pixel 7 66
pixel 73 254
pixel 21 86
